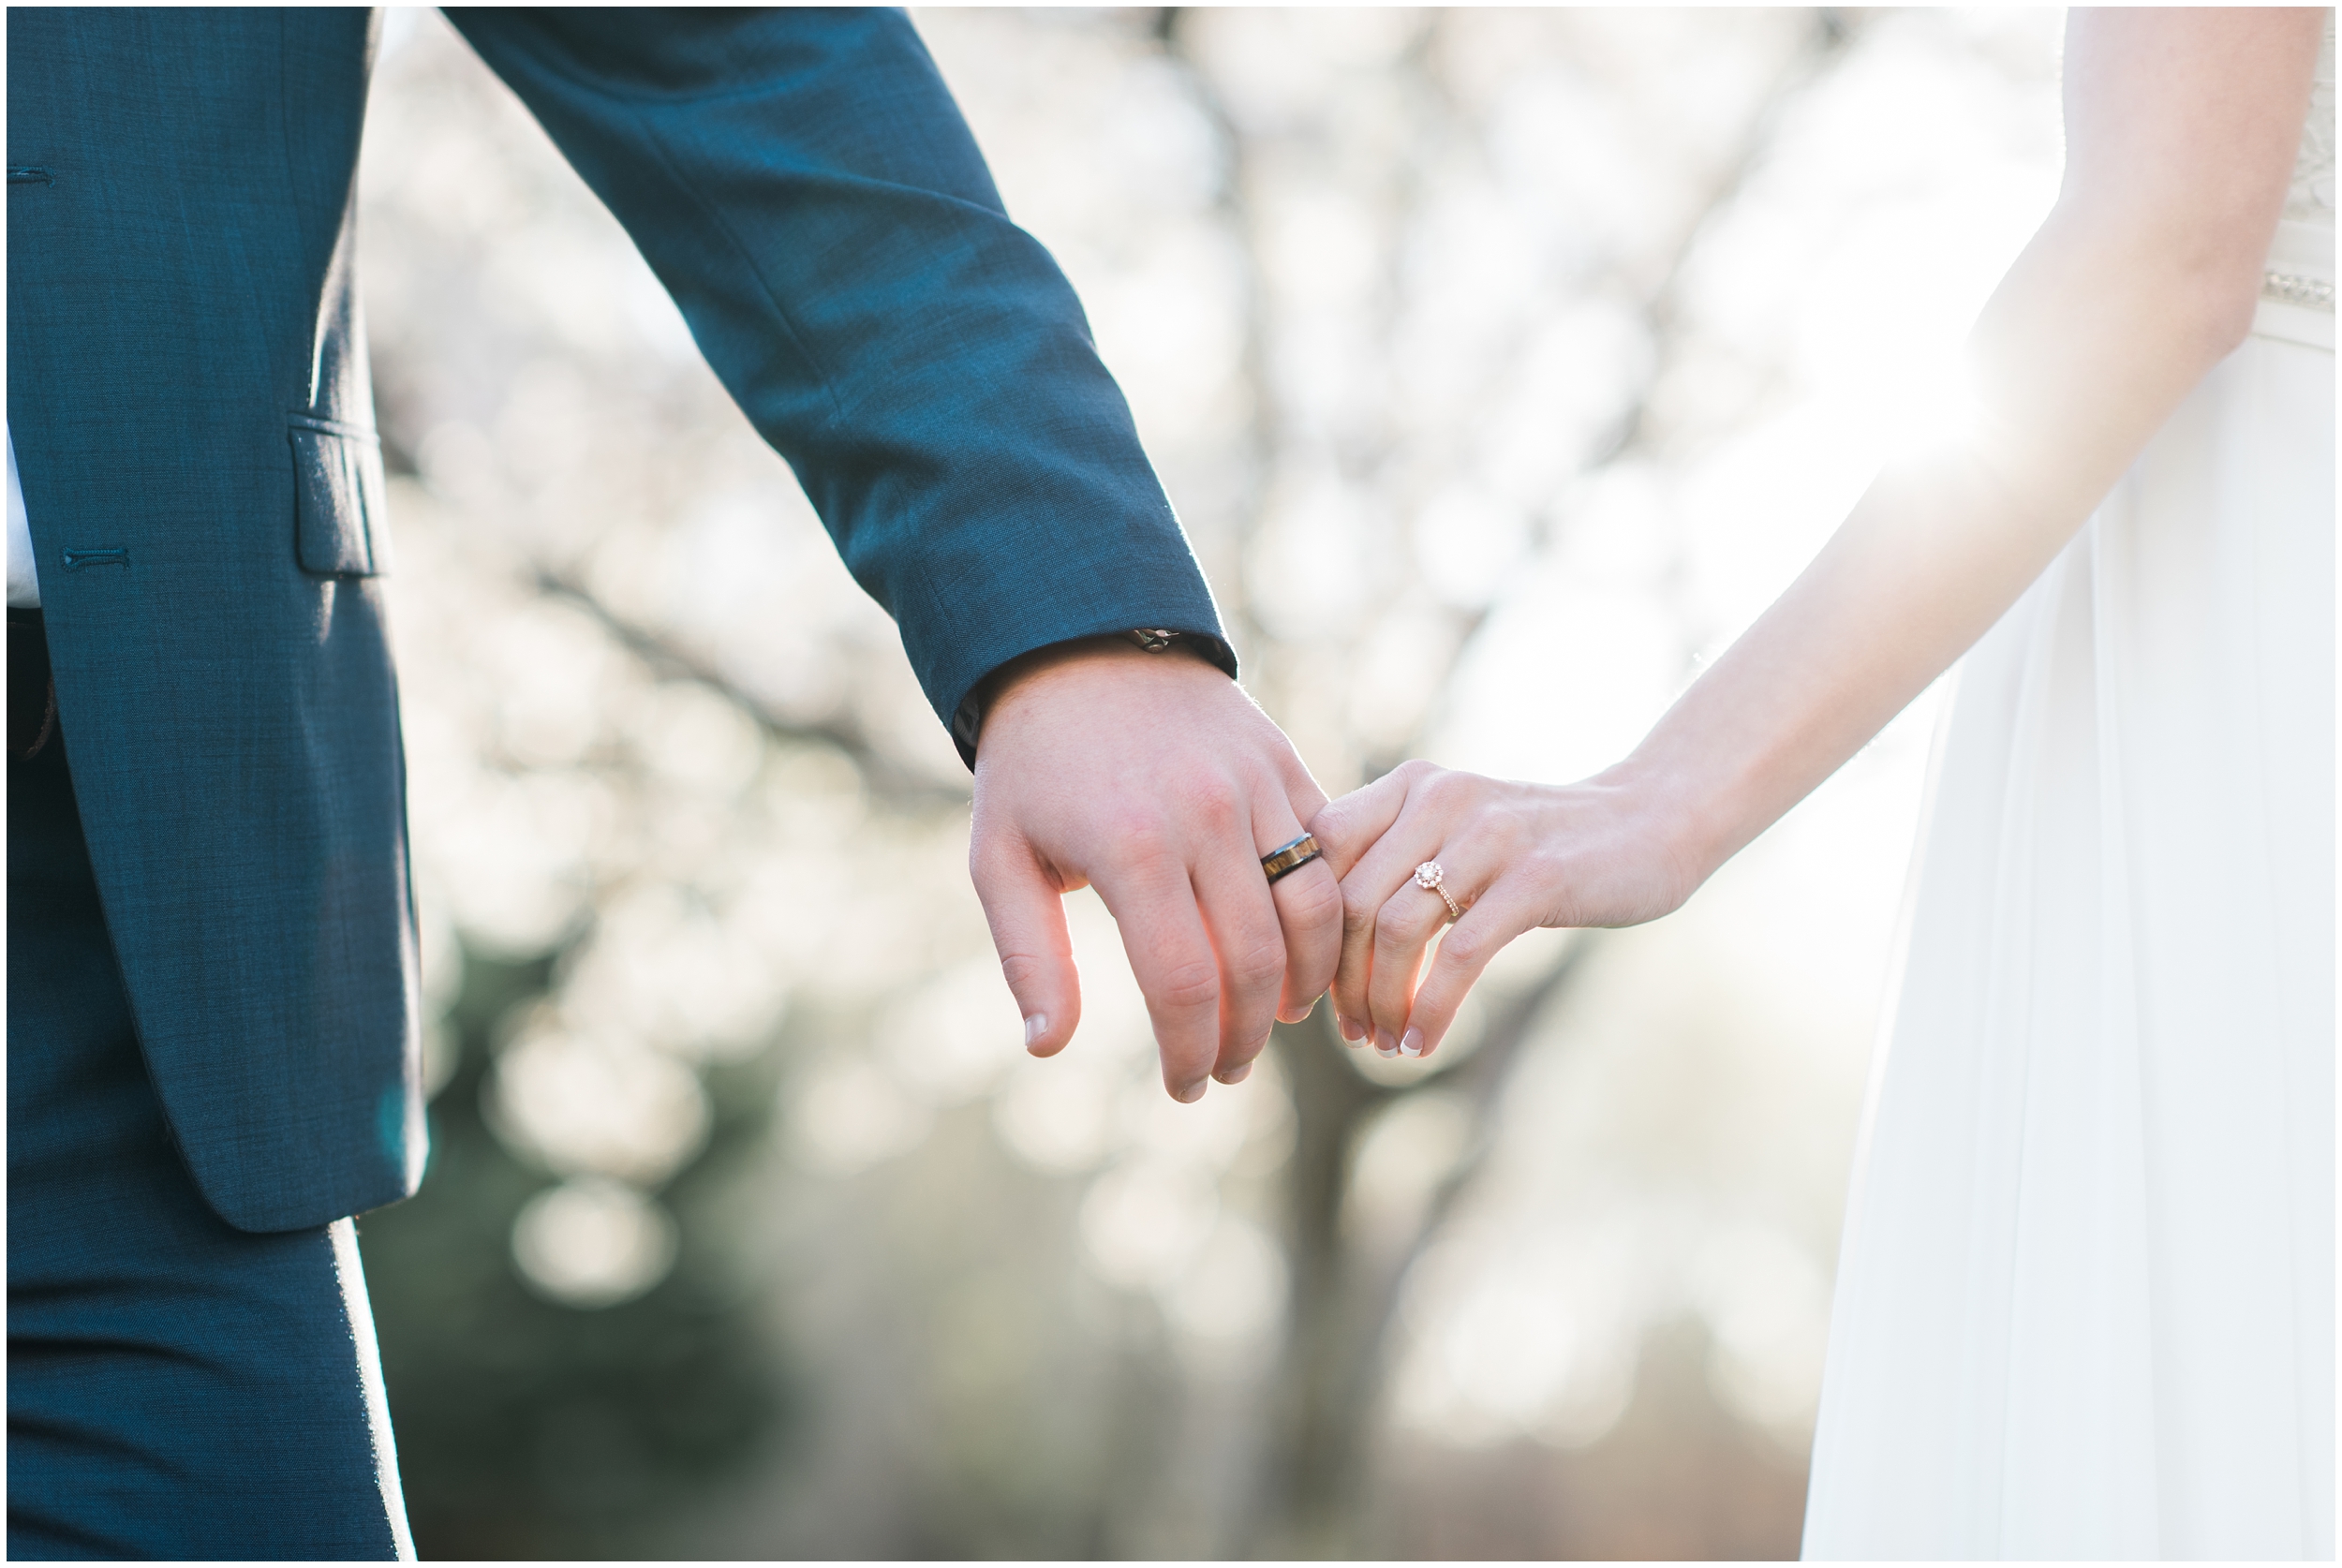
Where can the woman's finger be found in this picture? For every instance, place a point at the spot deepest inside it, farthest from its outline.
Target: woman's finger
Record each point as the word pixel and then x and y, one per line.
pixel 1381 871
pixel 1463 953
pixel 1439 811
pixel 1345 829
pixel 1408 922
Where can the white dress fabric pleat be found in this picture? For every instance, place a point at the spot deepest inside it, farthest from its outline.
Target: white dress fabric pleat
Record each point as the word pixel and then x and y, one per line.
pixel 2086 1296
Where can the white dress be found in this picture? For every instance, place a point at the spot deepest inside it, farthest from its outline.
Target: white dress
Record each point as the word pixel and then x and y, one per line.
pixel 2086 1299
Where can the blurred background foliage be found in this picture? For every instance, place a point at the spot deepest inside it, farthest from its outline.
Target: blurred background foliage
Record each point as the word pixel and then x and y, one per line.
pixel 1502 364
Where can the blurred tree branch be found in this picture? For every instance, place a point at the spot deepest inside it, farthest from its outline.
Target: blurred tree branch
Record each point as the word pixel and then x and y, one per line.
pixel 1344 1298
pixel 1826 41
pixel 887 778
pixel 1341 1303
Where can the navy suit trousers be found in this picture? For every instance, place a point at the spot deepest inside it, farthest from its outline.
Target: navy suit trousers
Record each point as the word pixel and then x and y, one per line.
pixel 177 1389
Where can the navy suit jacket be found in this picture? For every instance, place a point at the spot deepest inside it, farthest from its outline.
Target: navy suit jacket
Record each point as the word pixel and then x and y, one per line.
pixel 188 393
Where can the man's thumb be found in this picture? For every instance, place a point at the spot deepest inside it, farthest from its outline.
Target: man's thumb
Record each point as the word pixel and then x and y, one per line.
pixel 1027 914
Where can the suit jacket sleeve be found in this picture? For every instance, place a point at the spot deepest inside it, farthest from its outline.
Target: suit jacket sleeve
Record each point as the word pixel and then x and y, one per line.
pixel 802 183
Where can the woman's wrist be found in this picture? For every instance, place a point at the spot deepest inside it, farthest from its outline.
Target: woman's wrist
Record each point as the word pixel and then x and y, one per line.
pixel 1667 807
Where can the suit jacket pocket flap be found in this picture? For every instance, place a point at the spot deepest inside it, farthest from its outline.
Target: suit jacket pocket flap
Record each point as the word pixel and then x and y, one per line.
pixel 338 500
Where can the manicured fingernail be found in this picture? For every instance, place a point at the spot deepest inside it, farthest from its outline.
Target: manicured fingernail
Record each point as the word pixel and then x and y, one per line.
pixel 1237 1074
pixel 1036 1026
pixel 1193 1091
pixel 1350 1031
pixel 1383 1044
pixel 1413 1044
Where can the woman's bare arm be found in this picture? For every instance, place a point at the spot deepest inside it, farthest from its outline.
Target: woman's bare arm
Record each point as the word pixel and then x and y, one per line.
pixel 2181 132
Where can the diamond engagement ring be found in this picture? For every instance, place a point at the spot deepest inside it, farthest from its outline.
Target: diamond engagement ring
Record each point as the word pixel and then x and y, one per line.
pixel 1429 876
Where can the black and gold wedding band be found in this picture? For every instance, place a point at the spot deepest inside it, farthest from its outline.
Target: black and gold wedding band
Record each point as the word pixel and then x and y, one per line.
pixel 1284 861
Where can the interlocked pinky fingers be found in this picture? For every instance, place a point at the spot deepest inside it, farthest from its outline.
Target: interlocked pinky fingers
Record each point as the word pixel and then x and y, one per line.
pixel 1456 966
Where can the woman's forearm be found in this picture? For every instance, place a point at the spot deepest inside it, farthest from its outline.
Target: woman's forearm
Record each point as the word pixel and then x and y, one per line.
pixel 2120 304
pixel 2181 133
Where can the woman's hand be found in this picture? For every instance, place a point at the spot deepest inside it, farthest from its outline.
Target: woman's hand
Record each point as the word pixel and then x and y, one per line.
pixel 2181 129
pixel 1608 852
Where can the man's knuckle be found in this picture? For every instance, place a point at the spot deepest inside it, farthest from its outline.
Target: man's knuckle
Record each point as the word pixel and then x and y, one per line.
pixel 1261 962
pixel 1313 902
pixel 1021 969
pixel 1211 800
pixel 1140 824
pixel 1142 843
pixel 1189 986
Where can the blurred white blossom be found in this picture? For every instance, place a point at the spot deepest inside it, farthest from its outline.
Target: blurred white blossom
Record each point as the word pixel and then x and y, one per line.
pixel 593 1243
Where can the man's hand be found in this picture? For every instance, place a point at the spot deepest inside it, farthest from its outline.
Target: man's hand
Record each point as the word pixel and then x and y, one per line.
pixel 1152 778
